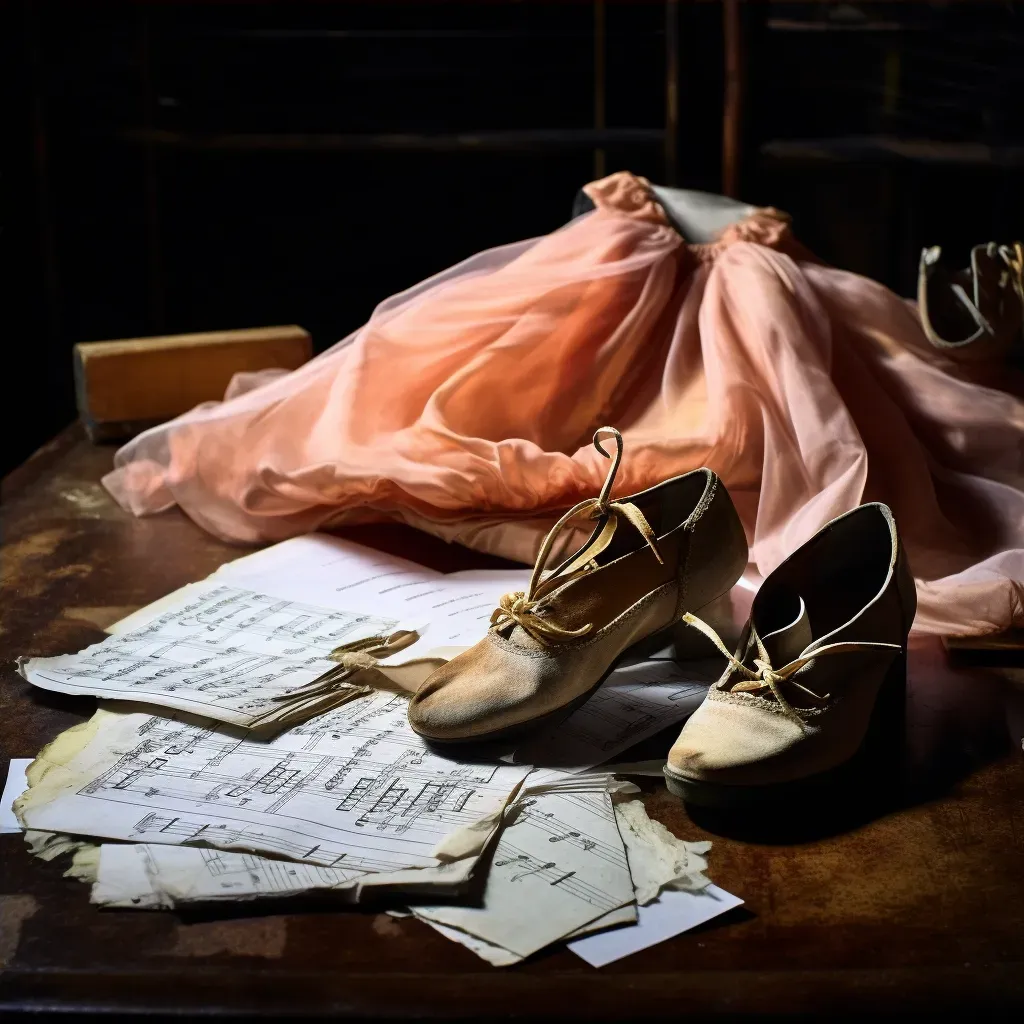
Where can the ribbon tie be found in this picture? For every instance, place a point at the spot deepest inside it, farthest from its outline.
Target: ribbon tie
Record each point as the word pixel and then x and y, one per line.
pixel 765 676
pixel 352 658
pixel 1013 257
pixel 525 608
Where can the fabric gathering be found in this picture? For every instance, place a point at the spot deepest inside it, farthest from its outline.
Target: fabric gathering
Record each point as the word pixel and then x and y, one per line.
pixel 465 408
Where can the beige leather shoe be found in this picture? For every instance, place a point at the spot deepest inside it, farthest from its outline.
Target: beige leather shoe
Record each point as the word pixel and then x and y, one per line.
pixel 821 665
pixel 651 557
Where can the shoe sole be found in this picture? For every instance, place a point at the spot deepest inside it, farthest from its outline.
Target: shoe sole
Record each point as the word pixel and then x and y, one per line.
pixel 884 735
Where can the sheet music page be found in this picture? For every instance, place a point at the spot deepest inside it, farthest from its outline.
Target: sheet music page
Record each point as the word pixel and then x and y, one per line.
pixel 152 875
pixel 562 852
pixel 219 651
pixel 372 799
pixel 453 608
pixel 144 873
pixel 636 701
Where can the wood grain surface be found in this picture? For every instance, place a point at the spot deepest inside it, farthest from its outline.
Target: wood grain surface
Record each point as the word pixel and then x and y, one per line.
pixel 909 899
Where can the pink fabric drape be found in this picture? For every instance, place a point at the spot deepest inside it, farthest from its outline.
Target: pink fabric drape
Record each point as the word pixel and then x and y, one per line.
pixel 465 407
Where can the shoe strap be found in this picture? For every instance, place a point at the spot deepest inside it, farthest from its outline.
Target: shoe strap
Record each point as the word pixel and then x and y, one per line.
pixel 521 607
pixel 764 675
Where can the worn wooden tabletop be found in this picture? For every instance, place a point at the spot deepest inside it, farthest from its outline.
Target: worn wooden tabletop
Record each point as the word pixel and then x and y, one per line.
pixel 907 900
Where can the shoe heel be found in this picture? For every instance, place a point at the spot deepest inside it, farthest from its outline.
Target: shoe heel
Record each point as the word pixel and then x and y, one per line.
pixel 689 644
pixel 886 738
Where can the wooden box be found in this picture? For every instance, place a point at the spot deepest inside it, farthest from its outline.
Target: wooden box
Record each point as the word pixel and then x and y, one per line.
pixel 123 387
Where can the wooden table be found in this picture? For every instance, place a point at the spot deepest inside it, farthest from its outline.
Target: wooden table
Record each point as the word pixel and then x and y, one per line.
pixel 915 903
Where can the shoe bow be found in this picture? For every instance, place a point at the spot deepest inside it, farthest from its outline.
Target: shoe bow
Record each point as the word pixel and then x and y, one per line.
pixel 764 675
pixel 526 608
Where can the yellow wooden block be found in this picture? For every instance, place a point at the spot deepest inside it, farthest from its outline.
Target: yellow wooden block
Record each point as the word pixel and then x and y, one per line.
pixel 124 386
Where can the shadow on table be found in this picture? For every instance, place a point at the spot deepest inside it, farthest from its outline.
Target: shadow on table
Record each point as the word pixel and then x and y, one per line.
pixel 956 720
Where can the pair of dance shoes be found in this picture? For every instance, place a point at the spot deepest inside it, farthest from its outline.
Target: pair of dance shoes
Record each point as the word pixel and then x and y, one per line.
pixel 824 644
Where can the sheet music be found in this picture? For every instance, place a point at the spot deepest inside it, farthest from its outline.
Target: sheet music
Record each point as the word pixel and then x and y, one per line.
pixel 123 881
pixel 219 651
pixel 636 701
pixel 450 609
pixel 146 874
pixel 151 875
pixel 561 853
pixel 371 799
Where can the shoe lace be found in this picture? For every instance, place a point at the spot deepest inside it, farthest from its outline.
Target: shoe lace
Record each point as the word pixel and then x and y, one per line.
pixel 525 608
pixel 1013 257
pixel 352 658
pixel 764 675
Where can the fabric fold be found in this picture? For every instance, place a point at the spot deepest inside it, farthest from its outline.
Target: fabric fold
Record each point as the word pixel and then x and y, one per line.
pixel 465 407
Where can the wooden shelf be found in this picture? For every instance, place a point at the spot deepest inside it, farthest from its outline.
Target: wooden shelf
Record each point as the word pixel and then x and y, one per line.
pixel 585 138
pixel 890 148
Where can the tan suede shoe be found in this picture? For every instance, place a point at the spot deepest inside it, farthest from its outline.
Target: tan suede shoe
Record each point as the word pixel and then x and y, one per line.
pixel 821 664
pixel 651 557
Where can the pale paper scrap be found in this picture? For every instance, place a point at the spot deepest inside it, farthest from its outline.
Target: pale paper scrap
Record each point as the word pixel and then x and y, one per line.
pixel 497 956
pixel 16 784
pixel 85 864
pixel 657 859
pixel 51 845
pixel 670 915
pixel 147 875
pixel 123 881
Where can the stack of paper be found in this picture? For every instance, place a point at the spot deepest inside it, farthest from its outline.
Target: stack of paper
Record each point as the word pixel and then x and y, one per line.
pixel 258 644
pixel 233 655
pixel 237 760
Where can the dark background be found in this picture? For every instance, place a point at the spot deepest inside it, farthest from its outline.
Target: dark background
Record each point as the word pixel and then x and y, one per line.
pixel 177 167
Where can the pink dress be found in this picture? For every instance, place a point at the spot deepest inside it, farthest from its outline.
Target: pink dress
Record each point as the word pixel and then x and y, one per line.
pixel 466 406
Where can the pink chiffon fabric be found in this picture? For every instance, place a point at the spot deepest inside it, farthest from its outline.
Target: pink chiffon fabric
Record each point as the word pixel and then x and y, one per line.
pixel 465 407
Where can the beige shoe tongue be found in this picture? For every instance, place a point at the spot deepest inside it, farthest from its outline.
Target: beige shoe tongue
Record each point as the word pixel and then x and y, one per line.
pixel 788 643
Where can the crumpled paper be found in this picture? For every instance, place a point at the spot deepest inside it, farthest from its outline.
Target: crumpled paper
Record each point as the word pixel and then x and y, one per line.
pixel 85 864
pixel 51 845
pixel 470 840
pixel 657 859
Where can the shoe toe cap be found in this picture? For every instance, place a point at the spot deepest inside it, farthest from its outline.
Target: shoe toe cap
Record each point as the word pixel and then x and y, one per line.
pixel 468 698
pixel 442 714
pixel 731 742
